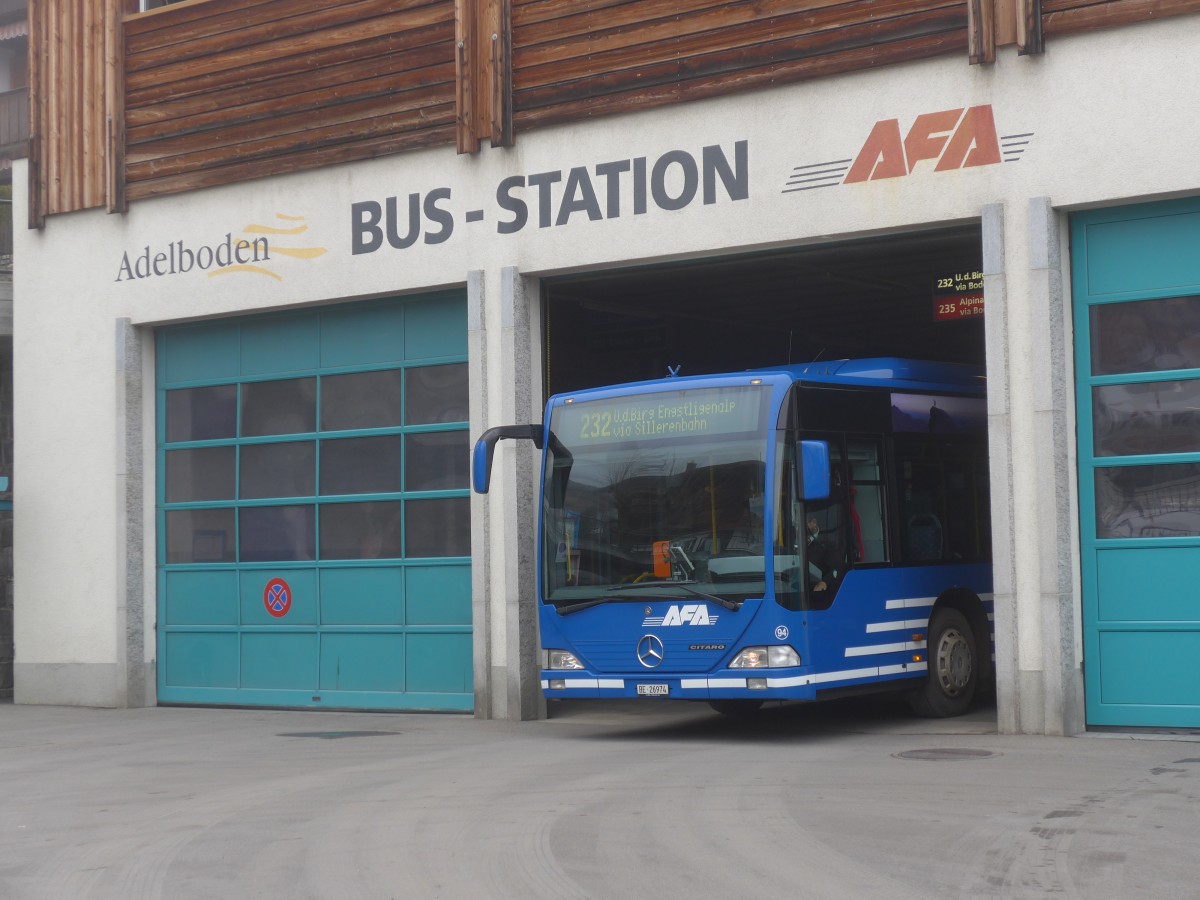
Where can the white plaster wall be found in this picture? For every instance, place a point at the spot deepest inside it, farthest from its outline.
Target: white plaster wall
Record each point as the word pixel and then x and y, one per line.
pixel 1111 120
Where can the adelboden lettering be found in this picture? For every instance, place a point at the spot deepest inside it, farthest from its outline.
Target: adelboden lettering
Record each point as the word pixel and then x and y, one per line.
pixel 179 258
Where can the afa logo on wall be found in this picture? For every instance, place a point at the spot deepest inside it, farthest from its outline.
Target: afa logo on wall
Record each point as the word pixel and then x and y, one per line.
pixel 257 249
pixel 945 141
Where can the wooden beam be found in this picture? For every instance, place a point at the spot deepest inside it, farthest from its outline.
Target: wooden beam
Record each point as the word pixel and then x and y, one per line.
pixel 466 47
pixel 37 61
pixel 981 31
pixel 500 73
pixel 114 108
pixel 1006 22
pixel 1030 39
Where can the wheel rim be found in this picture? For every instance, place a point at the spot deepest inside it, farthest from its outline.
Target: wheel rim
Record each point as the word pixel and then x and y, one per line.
pixel 954 662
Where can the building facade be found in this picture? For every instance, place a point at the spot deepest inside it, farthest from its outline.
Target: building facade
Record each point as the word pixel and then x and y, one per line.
pixel 282 266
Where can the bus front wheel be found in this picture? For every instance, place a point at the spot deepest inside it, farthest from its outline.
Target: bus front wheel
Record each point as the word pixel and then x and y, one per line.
pixel 953 667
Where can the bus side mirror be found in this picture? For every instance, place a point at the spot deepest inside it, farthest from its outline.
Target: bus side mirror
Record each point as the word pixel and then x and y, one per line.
pixel 814 470
pixel 485 449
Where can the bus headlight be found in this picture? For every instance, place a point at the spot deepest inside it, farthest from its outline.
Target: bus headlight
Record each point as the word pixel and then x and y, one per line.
pixel 560 659
pixel 778 656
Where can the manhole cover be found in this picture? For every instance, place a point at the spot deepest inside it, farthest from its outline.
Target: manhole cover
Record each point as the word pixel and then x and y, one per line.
pixel 334 735
pixel 945 753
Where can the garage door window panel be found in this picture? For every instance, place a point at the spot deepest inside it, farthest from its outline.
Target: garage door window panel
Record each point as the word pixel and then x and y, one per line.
pixel 279 407
pixel 277 533
pixel 199 536
pixel 202 414
pixel 440 527
pixel 436 394
pixel 1148 501
pixel 361 530
pixel 367 465
pixel 437 461
pixel 360 401
pixel 278 470
pixel 200 474
pixel 1145 336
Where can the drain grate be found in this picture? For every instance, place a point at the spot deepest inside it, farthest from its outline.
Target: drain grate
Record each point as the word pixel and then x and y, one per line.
pixel 335 735
pixel 945 754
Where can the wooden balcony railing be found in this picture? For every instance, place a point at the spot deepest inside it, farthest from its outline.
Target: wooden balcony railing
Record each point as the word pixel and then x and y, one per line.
pixel 14 123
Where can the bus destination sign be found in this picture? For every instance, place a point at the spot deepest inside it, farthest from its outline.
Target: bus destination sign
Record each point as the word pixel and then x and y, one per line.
pixel 957 296
pixel 661 415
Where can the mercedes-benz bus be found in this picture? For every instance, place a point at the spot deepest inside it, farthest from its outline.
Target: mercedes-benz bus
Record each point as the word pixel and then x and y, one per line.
pixel 791 533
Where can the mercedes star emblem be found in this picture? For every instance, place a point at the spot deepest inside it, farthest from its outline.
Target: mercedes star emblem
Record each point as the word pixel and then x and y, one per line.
pixel 650 651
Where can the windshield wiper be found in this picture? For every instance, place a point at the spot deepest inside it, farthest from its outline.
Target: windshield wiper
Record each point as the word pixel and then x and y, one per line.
pixel 684 585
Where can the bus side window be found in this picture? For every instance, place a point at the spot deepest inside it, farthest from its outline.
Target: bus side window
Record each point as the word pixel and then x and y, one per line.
pixel 943 500
pixel 828 536
pixel 868 544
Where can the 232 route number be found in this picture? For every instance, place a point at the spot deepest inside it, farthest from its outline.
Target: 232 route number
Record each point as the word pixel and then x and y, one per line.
pixel 596 425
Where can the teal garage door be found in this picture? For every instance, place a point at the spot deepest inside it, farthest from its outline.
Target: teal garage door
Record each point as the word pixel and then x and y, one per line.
pixel 1136 280
pixel 313 509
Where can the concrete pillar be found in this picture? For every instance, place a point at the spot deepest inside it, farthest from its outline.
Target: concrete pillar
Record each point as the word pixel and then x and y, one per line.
pixel 133 688
pixel 1054 462
pixel 1031 444
pixel 481 543
pixel 995 319
pixel 504 352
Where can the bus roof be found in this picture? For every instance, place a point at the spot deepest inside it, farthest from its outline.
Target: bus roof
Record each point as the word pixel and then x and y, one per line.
pixel 890 371
pixel 883 372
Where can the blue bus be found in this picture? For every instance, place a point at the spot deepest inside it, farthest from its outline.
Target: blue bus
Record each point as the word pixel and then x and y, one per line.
pixel 789 533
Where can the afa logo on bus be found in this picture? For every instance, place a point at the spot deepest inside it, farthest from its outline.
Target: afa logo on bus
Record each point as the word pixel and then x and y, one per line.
pixel 689 614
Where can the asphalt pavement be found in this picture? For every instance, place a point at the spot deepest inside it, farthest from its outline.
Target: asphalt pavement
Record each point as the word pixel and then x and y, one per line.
pixel 659 799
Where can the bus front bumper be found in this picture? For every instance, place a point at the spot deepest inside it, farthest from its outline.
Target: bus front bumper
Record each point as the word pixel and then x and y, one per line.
pixel 762 684
pixel 560 685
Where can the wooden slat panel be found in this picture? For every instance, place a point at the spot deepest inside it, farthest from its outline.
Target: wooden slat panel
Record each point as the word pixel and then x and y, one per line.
pixel 170 70
pixel 171 18
pixel 575 20
pixel 313 118
pixel 1069 18
pixel 725 25
pixel 283 85
pixel 228 24
pixel 1058 5
pixel 325 156
pixel 730 82
pixel 531 12
pixel 68 116
pixel 574 59
pixel 140 167
pixel 230 105
pixel 145 89
pixel 755 37
pixel 373 16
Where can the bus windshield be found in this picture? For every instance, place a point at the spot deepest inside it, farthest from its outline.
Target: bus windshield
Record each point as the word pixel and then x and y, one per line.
pixel 647 493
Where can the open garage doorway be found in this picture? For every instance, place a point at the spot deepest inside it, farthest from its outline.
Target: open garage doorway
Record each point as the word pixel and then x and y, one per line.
pixel 903 490
pixel 899 295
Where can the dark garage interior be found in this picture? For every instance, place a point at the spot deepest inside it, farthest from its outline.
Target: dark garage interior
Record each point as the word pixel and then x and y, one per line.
pixel 870 297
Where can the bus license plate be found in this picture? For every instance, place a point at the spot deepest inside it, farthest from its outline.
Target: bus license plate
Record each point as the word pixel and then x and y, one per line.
pixel 652 690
